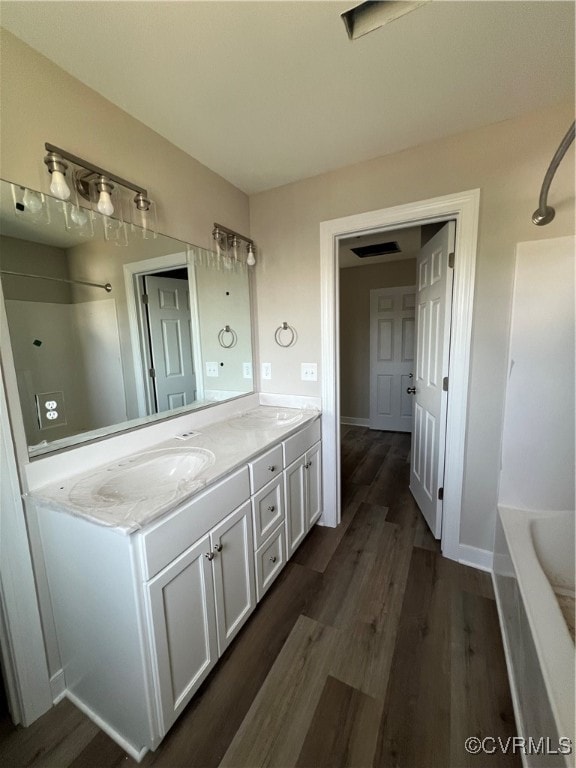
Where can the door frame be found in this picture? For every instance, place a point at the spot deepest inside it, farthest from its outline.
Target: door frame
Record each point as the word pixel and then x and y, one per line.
pixel 464 207
pixel 133 272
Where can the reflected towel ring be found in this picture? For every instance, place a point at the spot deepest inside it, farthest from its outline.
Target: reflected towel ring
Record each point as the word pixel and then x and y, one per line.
pixel 289 341
pixel 233 337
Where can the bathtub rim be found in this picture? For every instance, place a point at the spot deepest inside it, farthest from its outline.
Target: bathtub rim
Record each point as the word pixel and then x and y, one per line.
pixel 555 650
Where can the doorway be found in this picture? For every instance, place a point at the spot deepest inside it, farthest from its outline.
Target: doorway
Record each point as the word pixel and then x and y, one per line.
pixel 463 208
pixel 409 336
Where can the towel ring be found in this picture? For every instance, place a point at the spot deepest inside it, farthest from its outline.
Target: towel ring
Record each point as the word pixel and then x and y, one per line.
pixel 233 337
pixel 289 342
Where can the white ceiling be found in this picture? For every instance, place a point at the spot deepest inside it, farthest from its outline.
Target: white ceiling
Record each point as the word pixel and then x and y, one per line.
pixel 265 93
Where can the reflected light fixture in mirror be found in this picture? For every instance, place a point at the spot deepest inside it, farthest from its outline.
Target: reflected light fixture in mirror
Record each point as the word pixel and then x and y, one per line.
pixel 105 191
pixel 229 241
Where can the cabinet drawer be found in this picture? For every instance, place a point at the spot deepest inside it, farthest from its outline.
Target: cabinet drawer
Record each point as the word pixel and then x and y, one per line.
pixel 270 559
pixel 262 470
pixel 300 442
pixel 267 510
pixel 174 534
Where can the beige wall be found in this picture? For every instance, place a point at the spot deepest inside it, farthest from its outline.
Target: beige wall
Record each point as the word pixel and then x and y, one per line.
pixel 41 102
pixel 34 259
pixel 507 161
pixel 355 286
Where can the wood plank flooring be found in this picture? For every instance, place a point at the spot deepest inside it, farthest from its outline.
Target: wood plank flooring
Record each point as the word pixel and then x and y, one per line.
pixel 370 651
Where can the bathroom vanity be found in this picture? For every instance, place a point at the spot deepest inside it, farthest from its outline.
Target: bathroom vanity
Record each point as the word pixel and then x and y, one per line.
pixel 155 562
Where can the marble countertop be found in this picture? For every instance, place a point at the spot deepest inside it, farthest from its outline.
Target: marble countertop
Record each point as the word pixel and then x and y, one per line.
pixel 233 443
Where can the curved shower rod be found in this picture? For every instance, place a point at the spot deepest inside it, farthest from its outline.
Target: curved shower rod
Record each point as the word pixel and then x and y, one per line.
pixel 545 213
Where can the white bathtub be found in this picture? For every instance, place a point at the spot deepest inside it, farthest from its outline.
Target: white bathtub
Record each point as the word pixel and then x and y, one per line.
pixel 534 560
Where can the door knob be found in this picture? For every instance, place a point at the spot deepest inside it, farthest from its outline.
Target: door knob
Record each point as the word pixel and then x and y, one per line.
pixel 209 555
pixel 217 547
pixel 411 390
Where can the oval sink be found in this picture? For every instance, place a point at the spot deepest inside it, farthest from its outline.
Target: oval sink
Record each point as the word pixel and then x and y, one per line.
pixel 162 473
pixel 265 419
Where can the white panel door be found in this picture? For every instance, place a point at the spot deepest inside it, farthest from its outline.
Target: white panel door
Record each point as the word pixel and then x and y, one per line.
pixel 392 347
pixel 433 315
pixel 233 564
pixel 170 342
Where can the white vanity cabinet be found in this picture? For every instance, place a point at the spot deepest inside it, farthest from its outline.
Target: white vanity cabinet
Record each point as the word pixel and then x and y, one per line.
pixel 142 618
pixel 197 604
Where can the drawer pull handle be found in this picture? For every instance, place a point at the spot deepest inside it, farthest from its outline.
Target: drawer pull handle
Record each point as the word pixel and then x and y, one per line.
pixel 273 559
pixel 271 508
pixel 272 468
pixel 209 555
pixel 308 465
pixel 217 547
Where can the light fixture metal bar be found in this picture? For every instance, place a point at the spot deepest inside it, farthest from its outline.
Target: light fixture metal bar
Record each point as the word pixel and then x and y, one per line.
pixel 107 287
pixel 95 169
pixel 232 233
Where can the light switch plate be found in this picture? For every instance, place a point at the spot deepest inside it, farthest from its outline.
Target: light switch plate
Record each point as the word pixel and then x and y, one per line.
pixel 50 408
pixel 267 371
pixel 212 369
pixel 309 372
pixel 247 370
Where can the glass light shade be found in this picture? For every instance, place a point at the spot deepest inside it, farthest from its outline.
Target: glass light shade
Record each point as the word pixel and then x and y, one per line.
pixel 251 259
pixel 30 204
pixel 144 222
pixel 58 186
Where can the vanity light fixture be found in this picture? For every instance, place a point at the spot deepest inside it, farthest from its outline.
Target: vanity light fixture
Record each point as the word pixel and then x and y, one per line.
pixel 227 240
pixel 104 190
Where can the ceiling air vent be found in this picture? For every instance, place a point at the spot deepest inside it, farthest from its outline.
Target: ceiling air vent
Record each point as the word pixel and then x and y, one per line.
pixel 378 249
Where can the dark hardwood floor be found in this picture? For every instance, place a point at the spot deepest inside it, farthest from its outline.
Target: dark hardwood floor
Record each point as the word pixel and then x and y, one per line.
pixel 371 649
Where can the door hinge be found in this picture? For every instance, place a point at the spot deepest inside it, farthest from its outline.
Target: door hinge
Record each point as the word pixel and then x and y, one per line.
pixel 152 372
pixel 445 383
pixel 145 299
pixel 451 260
pixel 440 494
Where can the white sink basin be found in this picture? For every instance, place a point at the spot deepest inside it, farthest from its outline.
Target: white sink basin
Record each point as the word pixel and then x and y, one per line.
pixel 266 419
pixel 157 474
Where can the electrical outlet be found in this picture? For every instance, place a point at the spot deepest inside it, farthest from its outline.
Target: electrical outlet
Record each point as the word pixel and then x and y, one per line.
pixel 309 372
pixel 50 409
pixel 212 369
pixel 247 370
pixel 266 370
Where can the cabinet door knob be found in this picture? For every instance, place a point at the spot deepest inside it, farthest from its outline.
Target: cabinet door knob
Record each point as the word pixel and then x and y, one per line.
pixel 273 559
pixel 272 468
pixel 217 547
pixel 271 508
pixel 209 555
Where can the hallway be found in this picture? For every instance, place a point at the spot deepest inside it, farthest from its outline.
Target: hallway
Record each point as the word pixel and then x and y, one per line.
pixel 370 650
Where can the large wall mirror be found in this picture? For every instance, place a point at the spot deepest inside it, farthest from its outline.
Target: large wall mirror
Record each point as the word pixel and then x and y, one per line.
pixel 107 337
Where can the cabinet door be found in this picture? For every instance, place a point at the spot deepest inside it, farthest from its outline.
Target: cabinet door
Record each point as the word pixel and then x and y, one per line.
pixel 313 484
pixel 295 498
pixel 181 601
pixel 233 564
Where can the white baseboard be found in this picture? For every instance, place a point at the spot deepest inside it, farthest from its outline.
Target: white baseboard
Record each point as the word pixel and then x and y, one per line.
pixel 354 422
pixel 134 753
pixel 475 557
pixel 290 401
pixel 58 686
